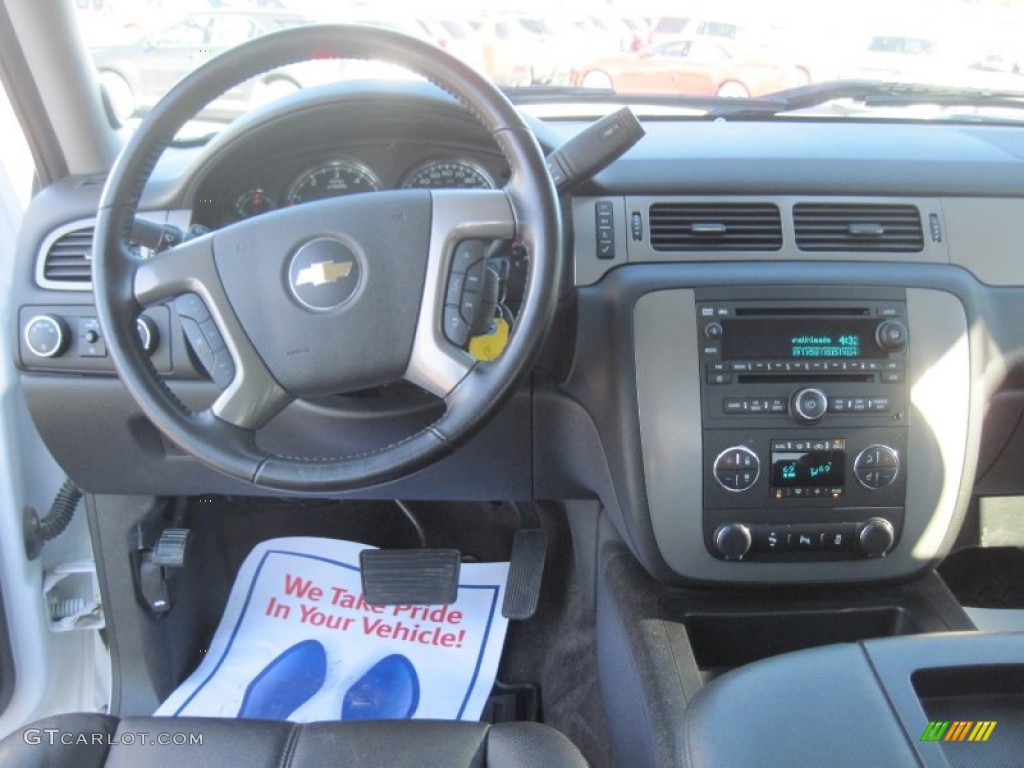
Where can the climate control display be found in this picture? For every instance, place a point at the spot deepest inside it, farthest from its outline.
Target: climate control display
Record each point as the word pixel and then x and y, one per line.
pixel 810 469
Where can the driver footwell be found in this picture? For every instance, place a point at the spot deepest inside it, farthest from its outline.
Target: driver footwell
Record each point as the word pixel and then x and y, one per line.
pixel 548 668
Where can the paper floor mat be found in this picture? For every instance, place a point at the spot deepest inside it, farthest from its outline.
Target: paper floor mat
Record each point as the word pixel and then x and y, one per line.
pixel 297 642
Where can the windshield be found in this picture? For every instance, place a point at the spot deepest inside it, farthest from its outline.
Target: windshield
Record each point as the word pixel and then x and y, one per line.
pixel 644 50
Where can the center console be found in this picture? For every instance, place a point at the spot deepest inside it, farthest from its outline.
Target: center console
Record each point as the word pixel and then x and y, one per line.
pixel 805 421
pixel 795 433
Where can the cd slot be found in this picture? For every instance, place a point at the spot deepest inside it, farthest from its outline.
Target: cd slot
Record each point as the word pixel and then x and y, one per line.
pixel 803 376
pixel 803 312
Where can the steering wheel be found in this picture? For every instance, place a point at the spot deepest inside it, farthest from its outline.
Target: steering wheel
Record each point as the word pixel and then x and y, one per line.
pixel 330 296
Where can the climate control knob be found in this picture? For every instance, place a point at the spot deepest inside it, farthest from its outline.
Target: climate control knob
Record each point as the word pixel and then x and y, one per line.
pixel 808 405
pixel 877 466
pixel 733 540
pixel 891 335
pixel 47 336
pixel 736 469
pixel 877 537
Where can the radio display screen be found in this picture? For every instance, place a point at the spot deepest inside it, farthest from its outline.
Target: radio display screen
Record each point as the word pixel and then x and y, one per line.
pixel 808 465
pixel 799 339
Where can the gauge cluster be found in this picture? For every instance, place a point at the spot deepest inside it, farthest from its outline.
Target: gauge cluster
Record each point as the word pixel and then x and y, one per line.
pixel 303 152
pixel 307 178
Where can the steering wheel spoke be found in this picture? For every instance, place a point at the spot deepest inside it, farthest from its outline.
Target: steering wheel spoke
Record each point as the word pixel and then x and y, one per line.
pixel 186 268
pixel 251 396
pixel 438 361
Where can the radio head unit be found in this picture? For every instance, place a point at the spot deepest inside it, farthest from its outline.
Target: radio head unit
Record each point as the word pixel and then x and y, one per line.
pixel 805 424
pixel 802 361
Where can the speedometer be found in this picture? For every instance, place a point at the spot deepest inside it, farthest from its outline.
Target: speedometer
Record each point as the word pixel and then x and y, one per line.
pixel 333 179
pixel 441 174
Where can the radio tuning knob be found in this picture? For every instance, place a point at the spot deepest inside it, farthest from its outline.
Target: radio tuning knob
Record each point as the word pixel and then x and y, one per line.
pixel 713 330
pixel 733 540
pixel 891 335
pixel 808 405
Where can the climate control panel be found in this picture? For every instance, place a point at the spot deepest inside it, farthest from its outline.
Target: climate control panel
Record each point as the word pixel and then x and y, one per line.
pixel 874 537
pixel 803 494
pixel 751 468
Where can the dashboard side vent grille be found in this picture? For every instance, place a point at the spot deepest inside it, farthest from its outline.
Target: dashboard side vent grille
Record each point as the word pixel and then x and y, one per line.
pixel 858 227
pixel 69 257
pixel 715 227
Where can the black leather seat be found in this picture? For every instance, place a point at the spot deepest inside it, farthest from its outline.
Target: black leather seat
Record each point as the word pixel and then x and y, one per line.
pixel 91 741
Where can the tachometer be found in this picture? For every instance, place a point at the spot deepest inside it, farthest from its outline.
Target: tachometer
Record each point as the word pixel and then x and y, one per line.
pixel 442 174
pixel 253 203
pixel 333 179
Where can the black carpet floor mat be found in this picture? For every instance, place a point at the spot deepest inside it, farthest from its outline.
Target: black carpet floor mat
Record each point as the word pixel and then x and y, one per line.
pixel 555 650
pixel 986 577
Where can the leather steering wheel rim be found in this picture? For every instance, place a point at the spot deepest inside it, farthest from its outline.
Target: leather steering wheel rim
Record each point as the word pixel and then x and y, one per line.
pixel 224 436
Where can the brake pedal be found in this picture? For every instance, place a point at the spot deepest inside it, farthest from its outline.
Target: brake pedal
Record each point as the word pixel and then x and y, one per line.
pixel 410 576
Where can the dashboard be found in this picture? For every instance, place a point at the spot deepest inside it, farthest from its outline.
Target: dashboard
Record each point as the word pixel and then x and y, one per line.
pixel 721 372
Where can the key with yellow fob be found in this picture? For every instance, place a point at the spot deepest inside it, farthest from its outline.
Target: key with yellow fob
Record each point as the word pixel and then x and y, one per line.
pixel 490 345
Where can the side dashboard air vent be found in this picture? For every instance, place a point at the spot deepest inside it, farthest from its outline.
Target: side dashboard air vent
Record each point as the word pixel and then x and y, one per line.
pixel 858 227
pixel 67 258
pixel 715 227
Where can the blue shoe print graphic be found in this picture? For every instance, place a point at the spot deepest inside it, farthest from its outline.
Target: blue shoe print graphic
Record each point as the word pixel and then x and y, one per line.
pixel 286 683
pixel 390 690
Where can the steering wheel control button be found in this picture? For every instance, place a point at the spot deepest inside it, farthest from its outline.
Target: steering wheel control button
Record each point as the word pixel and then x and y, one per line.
pixel 212 334
pixel 808 405
pixel 876 537
pixel 469 306
pixel 891 335
pixel 198 342
pixel 324 274
pixel 467 253
pixel 205 339
pixel 472 293
pixel 191 305
pixel 456 330
pixel 733 540
pixel 736 469
pixel 876 466
pixel 46 336
pixel 223 369
pixel 475 276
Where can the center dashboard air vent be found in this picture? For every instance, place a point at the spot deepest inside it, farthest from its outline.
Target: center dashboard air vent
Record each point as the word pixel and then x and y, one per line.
pixel 858 227
pixel 66 259
pixel 715 227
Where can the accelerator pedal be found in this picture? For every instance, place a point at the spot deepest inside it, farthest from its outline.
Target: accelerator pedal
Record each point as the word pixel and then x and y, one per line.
pixel 522 593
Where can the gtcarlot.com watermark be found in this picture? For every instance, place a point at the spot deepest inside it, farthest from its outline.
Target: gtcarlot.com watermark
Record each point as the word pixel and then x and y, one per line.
pixel 52 736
